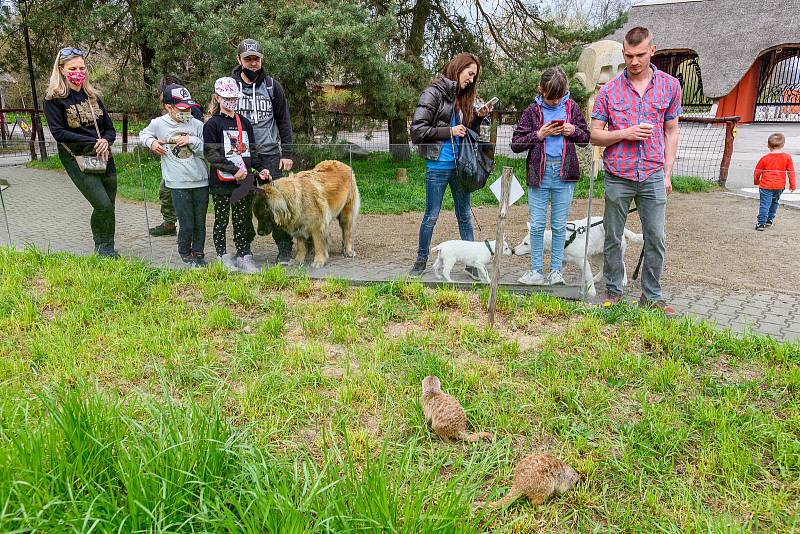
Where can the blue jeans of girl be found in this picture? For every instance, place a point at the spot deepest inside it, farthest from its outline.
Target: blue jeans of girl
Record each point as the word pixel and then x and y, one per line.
pixel 558 194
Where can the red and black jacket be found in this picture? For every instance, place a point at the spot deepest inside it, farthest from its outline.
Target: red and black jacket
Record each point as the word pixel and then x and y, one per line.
pixel 525 138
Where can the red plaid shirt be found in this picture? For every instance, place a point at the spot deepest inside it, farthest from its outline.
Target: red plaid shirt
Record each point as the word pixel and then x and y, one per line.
pixel 619 105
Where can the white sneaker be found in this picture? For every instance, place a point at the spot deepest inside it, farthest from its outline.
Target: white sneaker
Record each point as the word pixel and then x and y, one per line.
pixel 230 262
pixel 247 264
pixel 555 278
pixel 533 278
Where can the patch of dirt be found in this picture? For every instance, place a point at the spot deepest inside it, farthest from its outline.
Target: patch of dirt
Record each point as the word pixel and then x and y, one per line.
pixel 722 369
pixel 334 373
pixel 402 329
pixel 704 233
pixel 371 423
pixel 38 286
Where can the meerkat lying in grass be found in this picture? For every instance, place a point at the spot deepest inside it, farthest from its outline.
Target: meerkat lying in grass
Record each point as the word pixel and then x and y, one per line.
pixel 538 477
pixel 444 413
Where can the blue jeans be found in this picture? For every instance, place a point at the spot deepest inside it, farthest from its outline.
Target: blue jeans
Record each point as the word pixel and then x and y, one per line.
pixel 552 189
pixel 436 182
pixel 768 204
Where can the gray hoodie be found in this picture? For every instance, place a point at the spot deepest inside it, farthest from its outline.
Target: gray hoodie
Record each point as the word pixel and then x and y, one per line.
pixel 184 167
pixel 264 103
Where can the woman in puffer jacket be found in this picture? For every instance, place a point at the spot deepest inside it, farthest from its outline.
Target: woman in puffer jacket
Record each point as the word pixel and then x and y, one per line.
pixel 444 112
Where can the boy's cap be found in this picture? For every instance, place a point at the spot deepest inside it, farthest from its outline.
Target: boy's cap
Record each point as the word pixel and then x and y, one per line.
pixel 178 96
pixel 249 47
pixel 227 88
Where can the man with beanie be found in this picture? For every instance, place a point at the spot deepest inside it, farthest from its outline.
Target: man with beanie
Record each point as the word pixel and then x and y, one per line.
pixel 264 103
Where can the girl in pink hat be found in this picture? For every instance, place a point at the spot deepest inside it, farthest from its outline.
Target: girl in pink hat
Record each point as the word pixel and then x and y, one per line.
pixel 229 147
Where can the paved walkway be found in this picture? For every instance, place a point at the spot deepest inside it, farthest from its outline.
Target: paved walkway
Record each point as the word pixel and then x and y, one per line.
pixel 46 210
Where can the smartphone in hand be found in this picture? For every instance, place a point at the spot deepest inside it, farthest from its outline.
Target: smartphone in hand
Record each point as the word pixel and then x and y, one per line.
pixel 557 122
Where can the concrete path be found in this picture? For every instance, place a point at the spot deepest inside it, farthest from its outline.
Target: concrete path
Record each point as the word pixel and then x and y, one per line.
pixel 46 210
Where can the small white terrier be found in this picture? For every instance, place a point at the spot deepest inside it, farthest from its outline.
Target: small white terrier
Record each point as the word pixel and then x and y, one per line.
pixel 574 252
pixel 476 254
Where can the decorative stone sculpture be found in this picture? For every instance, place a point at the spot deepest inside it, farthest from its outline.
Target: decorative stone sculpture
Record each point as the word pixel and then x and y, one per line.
pixel 599 63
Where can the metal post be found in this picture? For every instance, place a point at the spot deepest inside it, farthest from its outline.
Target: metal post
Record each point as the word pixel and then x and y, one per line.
pixel 585 283
pixel 125 132
pixel 505 190
pixel 4 185
pixel 37 123
pixel 144 198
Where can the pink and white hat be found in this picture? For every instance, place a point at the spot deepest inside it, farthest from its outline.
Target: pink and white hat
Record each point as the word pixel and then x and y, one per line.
pixel 227 88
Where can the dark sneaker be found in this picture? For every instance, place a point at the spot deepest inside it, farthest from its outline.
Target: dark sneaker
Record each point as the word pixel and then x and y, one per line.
pixel 284 255
pixel 472 272
pixel 109 253
pixel 768 224
pixel 163 229
pixel 760 227
pixel 418 268
pixel 199 260
pixel 188 259
pixel 609 299
pixel 665 308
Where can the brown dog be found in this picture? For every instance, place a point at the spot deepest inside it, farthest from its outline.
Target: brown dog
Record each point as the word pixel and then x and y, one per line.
pixel 305 203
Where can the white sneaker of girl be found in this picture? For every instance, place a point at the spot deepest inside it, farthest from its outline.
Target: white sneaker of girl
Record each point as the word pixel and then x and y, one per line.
pixel 247 264
pixel 230 262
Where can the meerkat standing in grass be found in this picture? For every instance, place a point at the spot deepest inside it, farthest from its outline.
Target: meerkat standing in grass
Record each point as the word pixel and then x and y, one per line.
pixel 444 413
pixel 538 477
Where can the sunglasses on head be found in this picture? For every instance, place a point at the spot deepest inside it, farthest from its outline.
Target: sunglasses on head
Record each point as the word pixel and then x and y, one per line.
pixel 64 52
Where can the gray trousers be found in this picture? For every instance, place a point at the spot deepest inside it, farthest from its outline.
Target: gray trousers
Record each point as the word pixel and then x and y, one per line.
pixel 651 200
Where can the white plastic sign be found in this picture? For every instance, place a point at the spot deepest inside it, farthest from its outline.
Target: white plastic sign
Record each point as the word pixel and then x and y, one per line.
pixel 516 190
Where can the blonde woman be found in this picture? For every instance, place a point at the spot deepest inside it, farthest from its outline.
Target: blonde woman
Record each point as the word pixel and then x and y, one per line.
pixel 82 127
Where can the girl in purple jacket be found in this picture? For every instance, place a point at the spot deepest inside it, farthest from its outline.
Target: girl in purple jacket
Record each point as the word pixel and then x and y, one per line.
pixel 548 130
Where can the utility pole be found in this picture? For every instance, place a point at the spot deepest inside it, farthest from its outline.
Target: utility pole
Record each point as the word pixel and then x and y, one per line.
pixel 37 121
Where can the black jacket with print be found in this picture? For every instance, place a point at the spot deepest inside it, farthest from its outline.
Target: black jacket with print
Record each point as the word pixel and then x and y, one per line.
pixel 71 122
pixel 220 139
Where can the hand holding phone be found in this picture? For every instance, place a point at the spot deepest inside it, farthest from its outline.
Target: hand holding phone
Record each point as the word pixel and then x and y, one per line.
pixel 494 100
pixel 558 122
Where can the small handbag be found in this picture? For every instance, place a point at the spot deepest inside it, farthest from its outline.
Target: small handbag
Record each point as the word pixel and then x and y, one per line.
pixel 90 164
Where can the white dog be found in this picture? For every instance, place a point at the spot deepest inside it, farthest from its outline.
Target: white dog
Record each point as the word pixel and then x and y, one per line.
pixel 574 252
pixel 476 254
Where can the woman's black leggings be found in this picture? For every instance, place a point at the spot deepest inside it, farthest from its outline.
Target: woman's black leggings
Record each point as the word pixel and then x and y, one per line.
pixel 100 190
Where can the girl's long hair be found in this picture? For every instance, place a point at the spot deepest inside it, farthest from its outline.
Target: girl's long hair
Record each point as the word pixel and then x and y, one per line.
pixel 213 105
pixel 465 98
pixel 58 86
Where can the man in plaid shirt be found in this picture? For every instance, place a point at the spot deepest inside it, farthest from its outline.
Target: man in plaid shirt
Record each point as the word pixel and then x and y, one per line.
pixel 641 107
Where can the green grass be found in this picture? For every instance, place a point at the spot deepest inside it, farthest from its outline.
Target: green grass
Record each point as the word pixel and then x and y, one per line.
pixel 380 192
pixel 141 399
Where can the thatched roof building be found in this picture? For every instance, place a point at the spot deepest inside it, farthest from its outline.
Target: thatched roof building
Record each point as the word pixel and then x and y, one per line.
pixel 728 36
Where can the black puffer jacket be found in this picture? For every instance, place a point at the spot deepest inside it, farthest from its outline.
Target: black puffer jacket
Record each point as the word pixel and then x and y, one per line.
pixel 430 126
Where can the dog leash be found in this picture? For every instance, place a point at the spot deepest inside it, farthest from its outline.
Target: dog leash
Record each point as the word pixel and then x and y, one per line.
pixel 639 263
pixel 583 229
pixel 476 219
pixel 486 242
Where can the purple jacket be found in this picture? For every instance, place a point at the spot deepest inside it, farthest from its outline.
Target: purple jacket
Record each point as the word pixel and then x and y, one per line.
pixel 525 138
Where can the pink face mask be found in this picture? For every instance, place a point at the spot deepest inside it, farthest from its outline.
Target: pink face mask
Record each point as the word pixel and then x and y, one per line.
pixel 76 77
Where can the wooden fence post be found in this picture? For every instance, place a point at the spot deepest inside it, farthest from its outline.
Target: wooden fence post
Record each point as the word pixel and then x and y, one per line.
pixel 724 166
pixel 505 190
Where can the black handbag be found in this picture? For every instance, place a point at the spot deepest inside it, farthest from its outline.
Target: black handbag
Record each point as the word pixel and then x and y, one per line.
pixel 475 162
